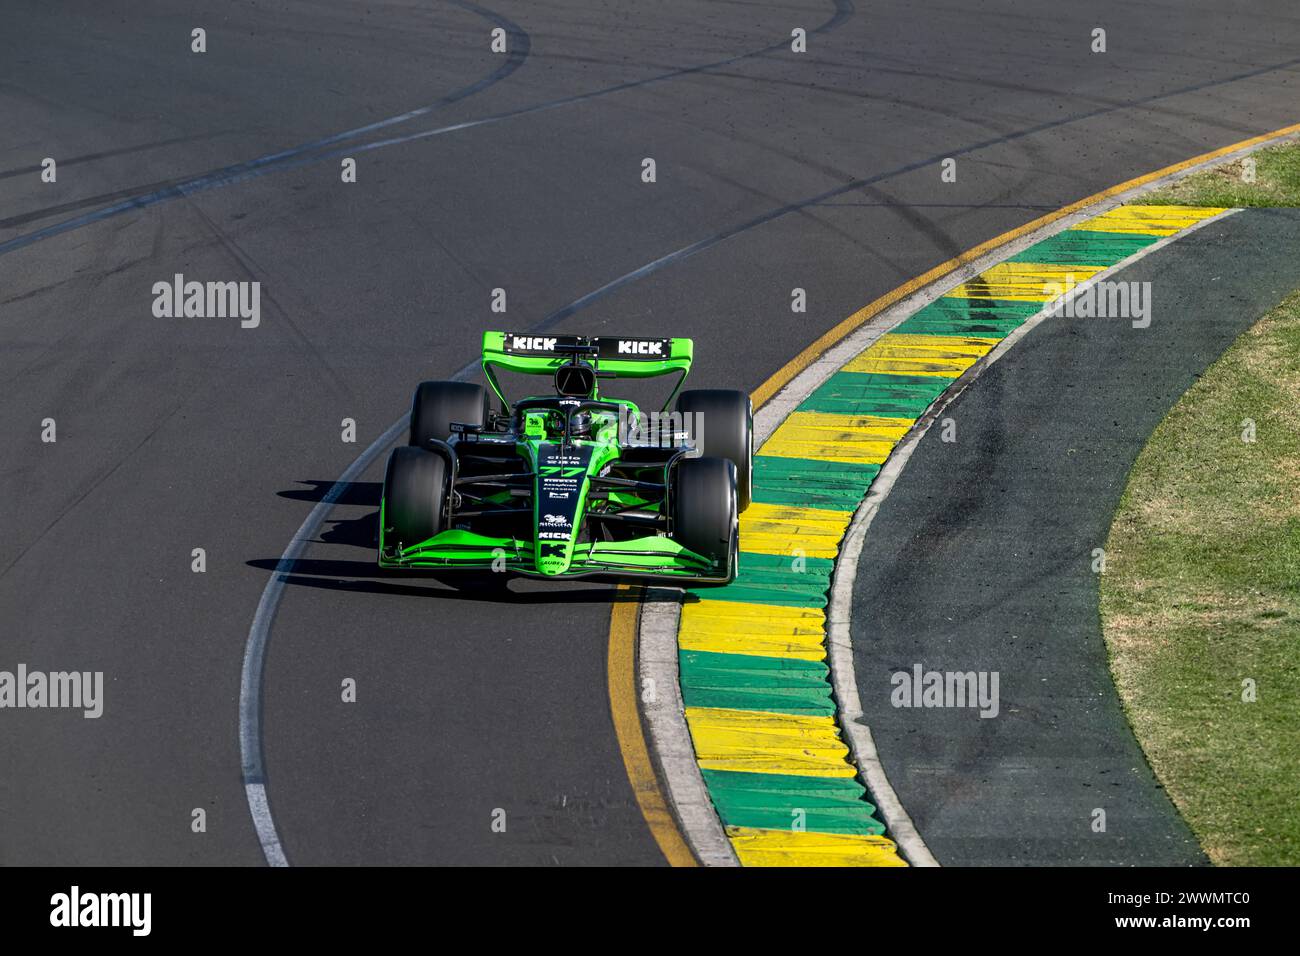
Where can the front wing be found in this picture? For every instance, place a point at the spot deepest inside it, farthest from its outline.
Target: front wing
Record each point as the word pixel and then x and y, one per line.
pixel 650 556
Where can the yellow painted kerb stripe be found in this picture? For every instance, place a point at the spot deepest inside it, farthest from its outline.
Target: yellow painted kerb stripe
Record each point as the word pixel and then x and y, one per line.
pixel 826 436
pixel 1150 220
pixel 790 530
pixel 621 673
pixel 755 847
pixel 1022 281
pixel 762 630
pixel 758 741
pixel 942 355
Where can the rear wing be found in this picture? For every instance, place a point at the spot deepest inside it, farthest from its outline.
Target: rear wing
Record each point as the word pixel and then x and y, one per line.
pixel 621 356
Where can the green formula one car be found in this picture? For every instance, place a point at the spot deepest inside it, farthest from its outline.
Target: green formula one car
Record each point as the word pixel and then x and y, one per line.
pixel 571 483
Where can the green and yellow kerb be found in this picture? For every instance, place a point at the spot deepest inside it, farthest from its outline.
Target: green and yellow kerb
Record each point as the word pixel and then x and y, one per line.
pixel 754 677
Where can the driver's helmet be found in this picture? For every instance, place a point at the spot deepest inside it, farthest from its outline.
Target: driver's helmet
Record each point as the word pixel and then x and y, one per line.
pixel 580 424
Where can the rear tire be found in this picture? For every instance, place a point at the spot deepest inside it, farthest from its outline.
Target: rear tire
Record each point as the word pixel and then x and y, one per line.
pixel 415 495
pixel 437 404
pixel 725 420
pixel 704 510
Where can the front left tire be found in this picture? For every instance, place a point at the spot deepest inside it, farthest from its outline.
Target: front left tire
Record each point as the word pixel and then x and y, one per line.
pixel 437 404
pixel 704 511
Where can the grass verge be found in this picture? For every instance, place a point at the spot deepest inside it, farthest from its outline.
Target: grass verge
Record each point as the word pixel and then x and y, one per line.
pixel 1202 594
pixel 1269 177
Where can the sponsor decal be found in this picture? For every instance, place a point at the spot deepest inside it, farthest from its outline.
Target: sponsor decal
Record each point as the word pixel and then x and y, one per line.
pixel 560 473
pixel 640 347
pixel 632 347
pixel 607 346
pixel 532 343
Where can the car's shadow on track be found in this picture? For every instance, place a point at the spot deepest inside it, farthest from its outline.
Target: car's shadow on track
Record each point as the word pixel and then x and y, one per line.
pixel 365 576
pixel 362 532
pixel 353 492
pixel 495 592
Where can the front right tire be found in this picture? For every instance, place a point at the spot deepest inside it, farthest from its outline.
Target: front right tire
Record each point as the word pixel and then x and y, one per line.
pixel 415 496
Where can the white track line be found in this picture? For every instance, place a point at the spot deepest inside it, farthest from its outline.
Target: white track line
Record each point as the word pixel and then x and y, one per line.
pixel 250 682
pixel 670 741
pixel 657 638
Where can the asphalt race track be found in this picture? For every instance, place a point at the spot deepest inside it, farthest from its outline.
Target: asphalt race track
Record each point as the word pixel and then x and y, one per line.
pixel 475 170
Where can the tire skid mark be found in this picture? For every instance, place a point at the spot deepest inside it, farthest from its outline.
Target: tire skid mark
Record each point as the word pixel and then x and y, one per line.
pixel 316 152
pixel 291 158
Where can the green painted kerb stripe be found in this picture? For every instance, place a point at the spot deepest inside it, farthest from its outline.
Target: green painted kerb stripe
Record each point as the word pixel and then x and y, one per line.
pixel 780 802
pixel 804 482
pixel 772 579
pixel 1082 247
pixel 985 318
pixel 890 396
pixel 744 682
